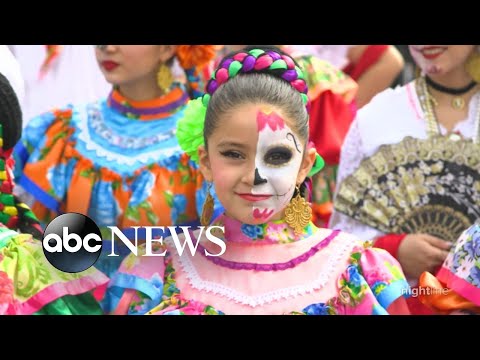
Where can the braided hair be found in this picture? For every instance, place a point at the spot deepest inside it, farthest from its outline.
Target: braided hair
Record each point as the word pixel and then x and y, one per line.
pixel 13 212
pixel 273 78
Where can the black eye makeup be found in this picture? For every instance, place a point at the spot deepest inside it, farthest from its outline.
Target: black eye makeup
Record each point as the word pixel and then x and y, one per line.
pixel 278 156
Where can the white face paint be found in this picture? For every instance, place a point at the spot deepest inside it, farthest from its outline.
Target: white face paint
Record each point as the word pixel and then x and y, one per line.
pixel 277 162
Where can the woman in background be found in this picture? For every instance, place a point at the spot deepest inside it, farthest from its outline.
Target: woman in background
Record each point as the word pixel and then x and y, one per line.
pixel 443 100
pixel 117 160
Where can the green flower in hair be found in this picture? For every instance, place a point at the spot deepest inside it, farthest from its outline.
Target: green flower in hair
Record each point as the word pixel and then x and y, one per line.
pixel 190 128
pixel 317 166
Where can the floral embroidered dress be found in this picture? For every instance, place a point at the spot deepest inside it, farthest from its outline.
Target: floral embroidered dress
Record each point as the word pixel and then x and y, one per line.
pixel 266 269
pixel 457 283
pixel 115 160
pixel 461 269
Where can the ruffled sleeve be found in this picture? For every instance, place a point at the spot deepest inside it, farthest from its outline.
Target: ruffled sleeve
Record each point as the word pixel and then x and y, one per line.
pixel 372 282
pixel 42 153
pixel 138 284
pixel 461 269
pixel 30 284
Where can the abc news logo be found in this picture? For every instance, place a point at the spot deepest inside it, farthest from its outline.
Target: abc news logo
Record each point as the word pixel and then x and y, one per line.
pixel 72 242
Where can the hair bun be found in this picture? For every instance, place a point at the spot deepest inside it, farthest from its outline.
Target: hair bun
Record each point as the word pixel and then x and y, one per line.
pixel 191 56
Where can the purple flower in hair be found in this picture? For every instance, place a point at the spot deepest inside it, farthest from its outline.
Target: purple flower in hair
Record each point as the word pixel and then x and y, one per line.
pixel 227 63
pixel 275 56
pixel 290 75
pixel 248 63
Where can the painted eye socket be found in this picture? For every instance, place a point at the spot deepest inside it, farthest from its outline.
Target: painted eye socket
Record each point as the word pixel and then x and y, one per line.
pixel 278 156
pixel 232 154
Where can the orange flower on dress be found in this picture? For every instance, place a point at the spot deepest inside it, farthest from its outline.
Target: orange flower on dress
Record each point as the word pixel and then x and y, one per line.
pixel 191 56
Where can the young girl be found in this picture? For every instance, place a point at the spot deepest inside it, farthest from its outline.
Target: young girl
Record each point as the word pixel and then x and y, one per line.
pixel 117 160
pixel 28 283
pixel 254 122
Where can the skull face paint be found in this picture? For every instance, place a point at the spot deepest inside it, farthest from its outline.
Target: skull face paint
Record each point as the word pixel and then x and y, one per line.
pixel 253 160
pixel 277 162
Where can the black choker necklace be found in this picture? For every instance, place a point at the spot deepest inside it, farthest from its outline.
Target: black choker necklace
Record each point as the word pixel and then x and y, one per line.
pixel 451 91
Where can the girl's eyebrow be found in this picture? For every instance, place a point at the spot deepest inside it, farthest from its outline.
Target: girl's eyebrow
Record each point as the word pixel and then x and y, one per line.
pixel 232 144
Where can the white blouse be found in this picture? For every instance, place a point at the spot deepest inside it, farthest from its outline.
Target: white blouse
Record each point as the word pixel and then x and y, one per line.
pixel 387 119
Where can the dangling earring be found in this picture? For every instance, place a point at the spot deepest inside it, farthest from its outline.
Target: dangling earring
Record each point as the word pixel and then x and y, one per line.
pixel 298 213
pixel 207 210
pixel 473 65
pixel 164 78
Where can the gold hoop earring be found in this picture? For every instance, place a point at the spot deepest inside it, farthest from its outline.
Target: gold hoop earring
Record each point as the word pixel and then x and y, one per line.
pixel 164 78
pixel 298 213
pixel 473 65
pixel 207 209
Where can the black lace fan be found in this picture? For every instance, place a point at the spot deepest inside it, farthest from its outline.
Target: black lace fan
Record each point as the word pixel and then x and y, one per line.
pixel 416 186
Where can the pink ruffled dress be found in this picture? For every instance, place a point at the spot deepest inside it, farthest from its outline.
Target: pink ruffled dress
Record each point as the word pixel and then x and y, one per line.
pixel 266 269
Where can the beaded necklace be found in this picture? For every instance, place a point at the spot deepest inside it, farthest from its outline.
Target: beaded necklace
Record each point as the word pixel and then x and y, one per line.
pixel 433 126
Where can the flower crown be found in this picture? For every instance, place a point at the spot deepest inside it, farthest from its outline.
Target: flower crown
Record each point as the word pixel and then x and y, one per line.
pixel 190 127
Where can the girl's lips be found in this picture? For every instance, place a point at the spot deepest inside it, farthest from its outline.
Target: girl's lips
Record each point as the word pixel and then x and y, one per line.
pixel 109 65
pixel 254 197
pixel 431 52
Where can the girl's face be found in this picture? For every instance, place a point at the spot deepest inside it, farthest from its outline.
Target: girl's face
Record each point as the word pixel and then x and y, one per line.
pixel 440 59
pixel 129 64
pixel 255 160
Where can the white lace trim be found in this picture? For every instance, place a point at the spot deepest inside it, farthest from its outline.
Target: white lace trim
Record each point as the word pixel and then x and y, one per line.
pixel 84 136
pixel 340 247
